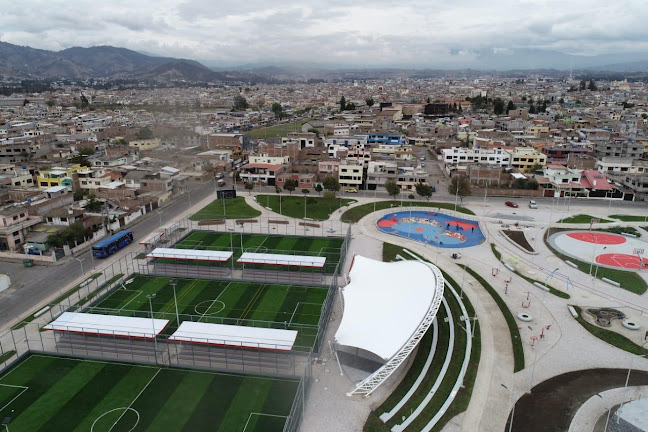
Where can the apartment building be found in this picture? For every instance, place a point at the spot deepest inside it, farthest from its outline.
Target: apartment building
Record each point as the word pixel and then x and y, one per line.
pixel 618 147
pixel 523 158
pixel 147 144
pixel 15 223
pixel 350 175
pixel 57 176
pixel 460 157
pixel 378 172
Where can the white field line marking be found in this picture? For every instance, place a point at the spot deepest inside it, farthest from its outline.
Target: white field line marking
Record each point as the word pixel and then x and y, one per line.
pixel 259 247
pixel 136 397
pixel 214 301
pixel 295 311
pixel 24 389
pixel 261 414
pixel 129 301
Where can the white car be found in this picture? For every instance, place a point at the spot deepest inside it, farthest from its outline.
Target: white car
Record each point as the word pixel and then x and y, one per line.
pixel 533 204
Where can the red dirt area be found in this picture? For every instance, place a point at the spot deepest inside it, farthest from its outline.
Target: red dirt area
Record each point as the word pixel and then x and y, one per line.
pixel 625 261
pixel 387 223
pixel 419 229
pixel 598 238
pixel 463 225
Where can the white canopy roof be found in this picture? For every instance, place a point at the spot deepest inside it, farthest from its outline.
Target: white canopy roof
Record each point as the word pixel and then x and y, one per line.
pixel 107 325
pixel 384 304
pixel 190 254
pixel 239 336
pixel 285 260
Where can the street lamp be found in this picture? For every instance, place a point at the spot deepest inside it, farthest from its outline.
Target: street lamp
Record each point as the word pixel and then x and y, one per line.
pixel 513 410
pixel 628 379
pixel 607 419
pixel 80 262
pixel 173 283
pixel 150 298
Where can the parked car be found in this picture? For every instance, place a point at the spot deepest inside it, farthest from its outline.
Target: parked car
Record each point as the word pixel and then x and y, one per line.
pixel 422 158
pixel 422 165
pixel 219 176
pixel 352 190
pixel 511 204
pixel 533 204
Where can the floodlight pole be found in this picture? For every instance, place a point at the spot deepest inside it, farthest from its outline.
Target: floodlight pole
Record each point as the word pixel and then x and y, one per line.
pixel 150 298
pixel 609 410
pixel 513 410
pixel 173 283
pixel 80 262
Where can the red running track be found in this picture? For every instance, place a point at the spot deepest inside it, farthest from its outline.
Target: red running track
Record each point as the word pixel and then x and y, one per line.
pixel 598 238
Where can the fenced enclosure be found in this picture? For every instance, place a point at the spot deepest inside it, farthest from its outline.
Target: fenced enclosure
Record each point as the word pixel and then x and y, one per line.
pixel 28 336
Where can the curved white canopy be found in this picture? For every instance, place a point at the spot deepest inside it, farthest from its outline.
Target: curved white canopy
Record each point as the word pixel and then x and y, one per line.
pixel 384 304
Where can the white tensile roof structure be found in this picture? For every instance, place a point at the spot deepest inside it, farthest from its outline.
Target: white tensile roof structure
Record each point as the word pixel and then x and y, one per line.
pixel 239 336
pixel 190 254
pixel 388 307
pixel 75 322
pixel 284 260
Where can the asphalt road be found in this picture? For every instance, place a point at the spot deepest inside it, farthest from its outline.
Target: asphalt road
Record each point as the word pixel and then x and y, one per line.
pixel 32 286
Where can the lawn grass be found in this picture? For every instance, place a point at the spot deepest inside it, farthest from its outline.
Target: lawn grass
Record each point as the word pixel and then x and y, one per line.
pixel 277 130
pixel 47 394
pixel 220 302
pixel 516 340
pixel 316 207
pixel 582 218
pixel 356 213
pixel 235 208
pixel 629 280
pixel 629 218
pixel 328 247
pixel 611 337
pixel 460 403
pixel 7 355
pixel 497 253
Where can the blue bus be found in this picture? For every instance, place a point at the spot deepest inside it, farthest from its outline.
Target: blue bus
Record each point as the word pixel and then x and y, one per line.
pixel 112 244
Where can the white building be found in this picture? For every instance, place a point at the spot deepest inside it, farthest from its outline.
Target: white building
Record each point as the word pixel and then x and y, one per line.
pixel 460 157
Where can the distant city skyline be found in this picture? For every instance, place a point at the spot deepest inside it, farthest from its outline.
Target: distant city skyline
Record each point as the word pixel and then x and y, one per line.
pixel 375 33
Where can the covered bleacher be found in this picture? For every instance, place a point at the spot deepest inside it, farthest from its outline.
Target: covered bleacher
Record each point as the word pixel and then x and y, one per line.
pixel 235 336
pixel 112 325
pixel 282 260
pixel 190 254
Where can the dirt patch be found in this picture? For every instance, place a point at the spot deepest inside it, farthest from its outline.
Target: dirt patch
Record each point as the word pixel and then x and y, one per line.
pixel 552 404
pixel 519 239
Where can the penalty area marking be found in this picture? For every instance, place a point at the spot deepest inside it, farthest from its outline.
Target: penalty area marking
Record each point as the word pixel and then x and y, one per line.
pixel 24 389
pixel 126 409
pixel 260 414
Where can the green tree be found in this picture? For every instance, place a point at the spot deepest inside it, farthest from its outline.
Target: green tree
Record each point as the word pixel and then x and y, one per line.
pixel 277 109
pixel 459 185
pixel 369 101
pixel 93 204
pixel 144 133
pixel 319 188
pixel 392 187
pixel 532 109
pixel 424 190
pixel 342 103
pixel 50 102
pixel 277 189
pixel 592 85
pixel 350 106
pixel 331 184
pixel 240 103
pixel 533 168
pixel 305 191
pixel 510 107
pixel 249 186
pixel 498 106
pixel 582 85
pixel 290 185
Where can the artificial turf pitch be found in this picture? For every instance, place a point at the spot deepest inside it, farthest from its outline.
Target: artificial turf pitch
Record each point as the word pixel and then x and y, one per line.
pixel 328 247
pixel 220 302
pixel 53 394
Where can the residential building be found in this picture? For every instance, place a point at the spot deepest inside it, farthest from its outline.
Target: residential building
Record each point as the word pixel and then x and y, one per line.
pixel 56 176
pixel 524 158
pixel 614 165
pixel 147 144
pixel 378 172
pixel 618 147
pixel 350 175
pixel 15 223
pixel 303 180
pixel 260 173
pixel 460 157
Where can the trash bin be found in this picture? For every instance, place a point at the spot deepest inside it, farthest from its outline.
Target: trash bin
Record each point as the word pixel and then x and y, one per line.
pixel 28 262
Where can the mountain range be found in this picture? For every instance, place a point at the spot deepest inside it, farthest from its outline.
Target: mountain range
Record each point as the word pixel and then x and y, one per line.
pixel 109 62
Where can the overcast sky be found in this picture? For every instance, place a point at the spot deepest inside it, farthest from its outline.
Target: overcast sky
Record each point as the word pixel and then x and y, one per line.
pixel 363 33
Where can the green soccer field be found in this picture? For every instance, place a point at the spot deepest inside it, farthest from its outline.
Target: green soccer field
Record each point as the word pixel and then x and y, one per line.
pixel 261 243
pixel 54 394
pixel 220 302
